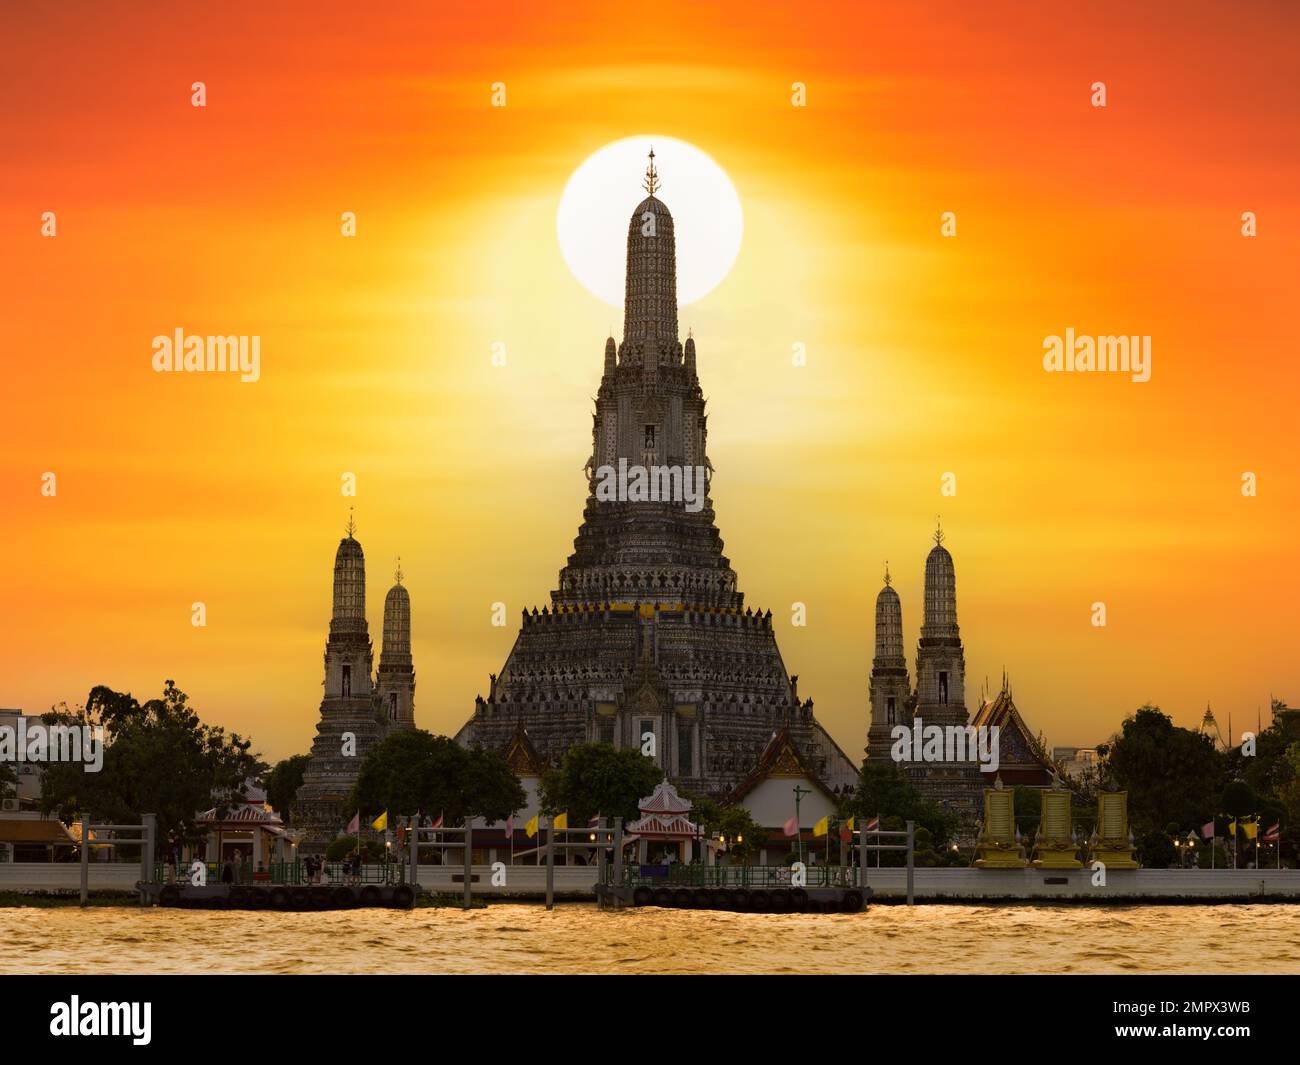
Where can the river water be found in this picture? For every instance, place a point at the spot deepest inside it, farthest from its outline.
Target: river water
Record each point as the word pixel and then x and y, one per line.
pixel 576 938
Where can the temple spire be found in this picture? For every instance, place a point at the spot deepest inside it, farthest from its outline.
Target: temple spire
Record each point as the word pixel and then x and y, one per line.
pixel 352 525
pixel 651 182
pixel 650 293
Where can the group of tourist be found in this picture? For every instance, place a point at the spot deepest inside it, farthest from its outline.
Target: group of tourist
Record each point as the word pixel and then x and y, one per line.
pixel 318 872
pixel 236 870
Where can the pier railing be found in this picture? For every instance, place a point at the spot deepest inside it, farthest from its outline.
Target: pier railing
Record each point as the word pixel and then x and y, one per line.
pixel 770 876
pixel 289 873
pixel 750 876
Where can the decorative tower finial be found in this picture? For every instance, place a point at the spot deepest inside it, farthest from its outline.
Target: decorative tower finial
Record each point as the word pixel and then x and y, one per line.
pixel 888 579
pixel 938 532
pixel 399 569
pixel 651 182
pixel 352 525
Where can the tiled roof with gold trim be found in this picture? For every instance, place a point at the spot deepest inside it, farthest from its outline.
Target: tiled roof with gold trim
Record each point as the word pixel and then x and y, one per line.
pixel 1019 750
pixel 35 830
pixel 522 756
pixel 781 758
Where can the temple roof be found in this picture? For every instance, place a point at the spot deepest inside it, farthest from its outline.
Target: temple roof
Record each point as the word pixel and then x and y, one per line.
pixel 1022 757
pixel 522 756
pixel 653 827
pixel 33 830
pixel 664 800
pixel 243 815
pixel 781 758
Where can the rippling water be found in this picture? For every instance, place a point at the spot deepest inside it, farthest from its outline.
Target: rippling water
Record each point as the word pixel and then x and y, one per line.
pixel 576 938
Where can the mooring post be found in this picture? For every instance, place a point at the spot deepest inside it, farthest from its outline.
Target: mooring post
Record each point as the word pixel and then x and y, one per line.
pixel 469 842
pixel 147 846
pixel 618 862
pixel 911 839
pixel 600 857
pixel 85 858
pixel 415 854
pixel 550 866
pixel 862 859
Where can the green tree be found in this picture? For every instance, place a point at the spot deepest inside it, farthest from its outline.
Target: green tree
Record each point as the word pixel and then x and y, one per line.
pixel 745 836
pixel 884 790
pixel 1238 799
pixel 416 772
pixel 1269 770
pixel 1028 806
pixel 1289 795
pixel 1155 849
pixel 1171 774
pixel 158 758
pixel 493 788
pixel 596 778
pixel 283 781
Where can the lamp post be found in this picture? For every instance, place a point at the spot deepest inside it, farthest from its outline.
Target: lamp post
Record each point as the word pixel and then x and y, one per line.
pixel 799 793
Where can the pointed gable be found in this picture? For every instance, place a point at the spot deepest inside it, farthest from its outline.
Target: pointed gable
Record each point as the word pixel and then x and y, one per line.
pixel 664 800
pixel 522 756
pixel 663 815
pixel 1022 759
pixel 781 758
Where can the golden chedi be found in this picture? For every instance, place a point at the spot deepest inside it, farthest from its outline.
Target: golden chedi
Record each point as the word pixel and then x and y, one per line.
pixel 1113 846
pixel 999 846
pixel 1054 845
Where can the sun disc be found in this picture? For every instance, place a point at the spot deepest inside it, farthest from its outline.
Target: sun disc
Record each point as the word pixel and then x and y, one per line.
pixel 603 191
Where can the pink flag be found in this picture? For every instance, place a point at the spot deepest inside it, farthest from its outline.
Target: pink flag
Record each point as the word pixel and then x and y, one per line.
pixel 354 826
pixel 510 825
pixel 792 827
pixel 437 823
pixel 1207 830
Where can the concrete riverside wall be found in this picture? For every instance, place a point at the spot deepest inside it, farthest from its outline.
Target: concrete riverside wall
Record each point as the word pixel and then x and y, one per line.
pixel 973 885
pixel 887 885
pixel 571 881
pixel 66 876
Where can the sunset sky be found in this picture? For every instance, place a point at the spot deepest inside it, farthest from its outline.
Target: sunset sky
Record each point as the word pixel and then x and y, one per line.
pixel 924 353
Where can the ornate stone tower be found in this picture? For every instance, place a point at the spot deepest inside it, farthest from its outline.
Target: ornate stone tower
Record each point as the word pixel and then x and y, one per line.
pixel 348 707
pixel 940 662
pixel 646 633
pixel 396 677
pixel 941 687
pixel 891 696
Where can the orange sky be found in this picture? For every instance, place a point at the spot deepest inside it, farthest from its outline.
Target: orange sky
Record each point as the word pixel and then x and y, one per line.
pixel 924 353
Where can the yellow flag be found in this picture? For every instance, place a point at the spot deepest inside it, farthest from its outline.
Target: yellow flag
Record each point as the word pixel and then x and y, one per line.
pixel 822 827
pixel 561 820
pixel 381 822
pixel 1232 826
pixel 530 829
pixel 1251 828
pixel 852 824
